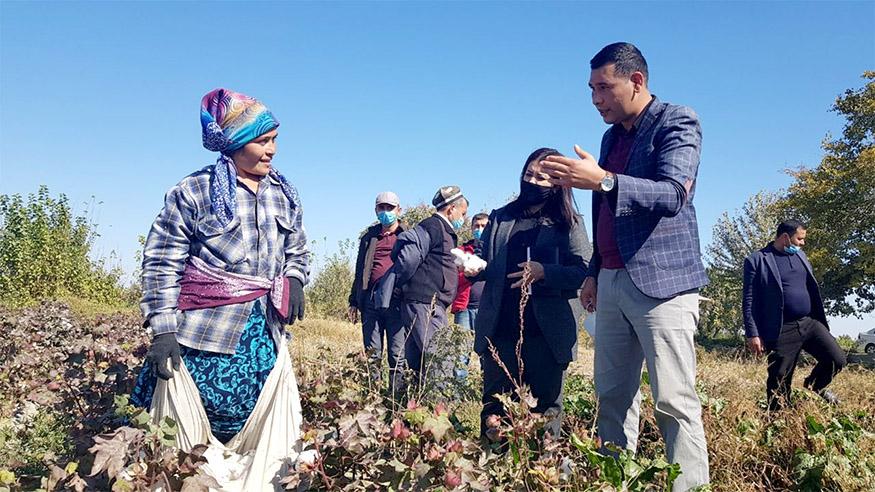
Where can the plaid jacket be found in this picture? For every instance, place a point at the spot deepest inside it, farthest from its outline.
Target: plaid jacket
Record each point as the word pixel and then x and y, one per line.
pixel 266 239
pixel 654 217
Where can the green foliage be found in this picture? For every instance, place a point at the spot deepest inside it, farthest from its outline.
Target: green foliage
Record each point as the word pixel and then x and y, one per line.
pixel 625 472
pixel 832 460
pixel 7 480
pixel 416 214
pixel 438 379
pixel 328 293
pixel 836 199
pixel 714 404
pixel 32 437
pixel 847 343
pixel 579 398
pixel 44 253
pixel 734 238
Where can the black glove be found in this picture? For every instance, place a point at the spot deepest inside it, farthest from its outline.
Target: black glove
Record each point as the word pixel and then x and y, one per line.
pixel 296 300
pixel 164 347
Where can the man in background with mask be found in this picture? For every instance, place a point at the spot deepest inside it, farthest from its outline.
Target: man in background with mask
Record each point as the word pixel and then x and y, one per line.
pixel 372 263
pixel 467 300
pixel 783 315
pixel 426 275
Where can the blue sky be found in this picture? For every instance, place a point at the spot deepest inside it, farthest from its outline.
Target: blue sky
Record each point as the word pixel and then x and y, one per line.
pixel 101 99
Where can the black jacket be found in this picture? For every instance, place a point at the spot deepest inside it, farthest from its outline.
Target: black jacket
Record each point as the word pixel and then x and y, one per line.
pixel 763 296
pixel 552 297
pixel 436 274
pixel 364 263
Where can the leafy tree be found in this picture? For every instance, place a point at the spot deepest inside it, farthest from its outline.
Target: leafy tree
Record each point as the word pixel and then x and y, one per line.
pixel 328 293
pixel 416 214
pixel 836 200
pixel 734 238
pixel 45 252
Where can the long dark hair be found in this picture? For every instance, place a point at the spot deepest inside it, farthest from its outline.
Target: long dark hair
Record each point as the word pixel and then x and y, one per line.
pixel 560 207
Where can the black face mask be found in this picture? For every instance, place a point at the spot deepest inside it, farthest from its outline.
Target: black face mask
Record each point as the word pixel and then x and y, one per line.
pixel 532 194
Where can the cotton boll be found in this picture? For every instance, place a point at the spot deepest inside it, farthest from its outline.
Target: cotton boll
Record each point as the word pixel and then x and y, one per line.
pixel 459 256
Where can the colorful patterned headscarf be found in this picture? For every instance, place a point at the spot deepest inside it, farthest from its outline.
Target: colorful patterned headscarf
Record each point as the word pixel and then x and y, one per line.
pixel 230 120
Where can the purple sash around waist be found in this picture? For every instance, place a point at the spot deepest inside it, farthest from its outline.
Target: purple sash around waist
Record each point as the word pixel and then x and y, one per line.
pixel 205 286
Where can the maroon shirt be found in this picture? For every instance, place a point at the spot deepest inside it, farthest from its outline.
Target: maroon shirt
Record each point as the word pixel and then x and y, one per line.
pixel 382 261
pixel 615 162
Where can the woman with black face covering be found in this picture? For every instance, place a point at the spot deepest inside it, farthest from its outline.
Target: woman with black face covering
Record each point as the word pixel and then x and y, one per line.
pixel 540 226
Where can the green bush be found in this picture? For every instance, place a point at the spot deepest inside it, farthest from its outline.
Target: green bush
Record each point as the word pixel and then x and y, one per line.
pixel 44 253
pixel 328 293
pixel 33 437
pixel 847 343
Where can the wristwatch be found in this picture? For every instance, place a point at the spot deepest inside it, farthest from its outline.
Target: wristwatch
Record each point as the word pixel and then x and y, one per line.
pixel 608 182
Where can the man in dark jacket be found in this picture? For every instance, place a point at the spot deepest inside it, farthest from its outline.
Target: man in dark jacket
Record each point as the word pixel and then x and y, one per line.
pixel 467 299
pixel 372 262
pixel 783 315
pixel 426 275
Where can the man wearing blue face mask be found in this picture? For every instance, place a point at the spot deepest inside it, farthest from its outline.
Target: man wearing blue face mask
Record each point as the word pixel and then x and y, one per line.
pixel 467 300
pixel 372 263
pixel 783 315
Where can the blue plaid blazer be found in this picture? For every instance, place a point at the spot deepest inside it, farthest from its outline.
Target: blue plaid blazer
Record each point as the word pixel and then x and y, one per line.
pixel 654 217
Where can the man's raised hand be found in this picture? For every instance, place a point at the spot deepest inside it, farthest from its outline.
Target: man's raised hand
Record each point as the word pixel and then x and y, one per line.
pixel 583 173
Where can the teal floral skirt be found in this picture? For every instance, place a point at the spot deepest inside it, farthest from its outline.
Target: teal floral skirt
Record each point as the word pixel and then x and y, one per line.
pixel 229 384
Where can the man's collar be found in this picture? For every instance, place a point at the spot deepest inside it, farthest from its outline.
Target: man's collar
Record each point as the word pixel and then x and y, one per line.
pixel 638 119
pixel 388 232
pixel 445 219
pixel 775 249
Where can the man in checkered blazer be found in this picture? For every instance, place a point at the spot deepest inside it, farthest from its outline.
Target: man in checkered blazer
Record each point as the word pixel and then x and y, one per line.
pixel 646 268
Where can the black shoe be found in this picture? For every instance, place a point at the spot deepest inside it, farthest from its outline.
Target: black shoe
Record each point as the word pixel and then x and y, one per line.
pixel 829 396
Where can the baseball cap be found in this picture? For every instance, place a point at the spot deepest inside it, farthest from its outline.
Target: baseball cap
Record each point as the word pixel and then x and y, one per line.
pixel 389 198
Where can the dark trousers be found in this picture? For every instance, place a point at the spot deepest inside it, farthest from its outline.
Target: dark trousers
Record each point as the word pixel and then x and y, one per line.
pixel 383 327
pixel 421 353
pixel 541 372
pixel 811 336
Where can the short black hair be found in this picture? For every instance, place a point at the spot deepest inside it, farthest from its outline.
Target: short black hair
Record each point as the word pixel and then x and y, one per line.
pixel 479 216
pixel 625 57
pixel 789 227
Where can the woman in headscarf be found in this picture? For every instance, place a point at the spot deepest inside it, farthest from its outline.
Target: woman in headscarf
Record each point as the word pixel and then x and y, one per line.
pixel 223 270
pixel 539 232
